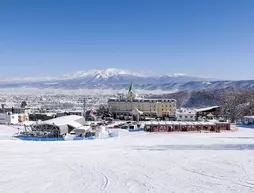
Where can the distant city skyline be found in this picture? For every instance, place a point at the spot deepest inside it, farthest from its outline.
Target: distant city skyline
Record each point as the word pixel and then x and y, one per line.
pixel 199 38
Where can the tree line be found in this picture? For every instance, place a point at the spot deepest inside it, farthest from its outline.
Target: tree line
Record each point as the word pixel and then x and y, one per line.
pixel 238 104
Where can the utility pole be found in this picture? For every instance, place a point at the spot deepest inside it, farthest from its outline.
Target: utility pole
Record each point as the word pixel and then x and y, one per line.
pixel 84 107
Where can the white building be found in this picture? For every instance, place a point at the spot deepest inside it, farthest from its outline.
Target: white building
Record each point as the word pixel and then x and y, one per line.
pixel 9 118
pixel 184 114
pixel 61 126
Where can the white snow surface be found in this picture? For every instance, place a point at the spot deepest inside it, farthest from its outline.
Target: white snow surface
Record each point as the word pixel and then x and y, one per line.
pixel 134 162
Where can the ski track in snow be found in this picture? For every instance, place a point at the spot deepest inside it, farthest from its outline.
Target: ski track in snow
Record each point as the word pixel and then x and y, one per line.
pixel 135 162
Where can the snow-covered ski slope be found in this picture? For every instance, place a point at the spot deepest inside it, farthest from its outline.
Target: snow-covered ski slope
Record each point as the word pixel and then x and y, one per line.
pixel 136 162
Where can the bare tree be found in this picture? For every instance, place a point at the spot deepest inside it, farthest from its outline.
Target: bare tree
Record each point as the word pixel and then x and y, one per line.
pixel 237 105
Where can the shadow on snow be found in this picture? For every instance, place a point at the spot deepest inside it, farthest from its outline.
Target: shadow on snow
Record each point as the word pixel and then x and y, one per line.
pixel 216 147
pixel 234 137
pixel 245 126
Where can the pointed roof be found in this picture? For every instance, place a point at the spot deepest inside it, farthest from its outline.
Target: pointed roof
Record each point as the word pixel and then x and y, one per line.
pixel 131 87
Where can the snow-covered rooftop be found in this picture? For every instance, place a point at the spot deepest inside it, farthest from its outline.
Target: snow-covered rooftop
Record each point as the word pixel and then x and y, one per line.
pixel 182 123
pixel 65 120
pixel 249 117
pixel 207 108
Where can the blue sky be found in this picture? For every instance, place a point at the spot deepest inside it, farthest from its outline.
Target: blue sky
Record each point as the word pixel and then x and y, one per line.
pixel 212 38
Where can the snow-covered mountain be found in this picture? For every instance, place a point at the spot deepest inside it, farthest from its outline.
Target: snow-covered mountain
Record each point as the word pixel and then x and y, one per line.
pixel 114 75
pixel 107 73
pixel 120 79
pixel 111 75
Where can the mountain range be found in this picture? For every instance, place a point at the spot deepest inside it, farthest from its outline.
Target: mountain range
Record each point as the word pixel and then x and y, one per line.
pixel 120 79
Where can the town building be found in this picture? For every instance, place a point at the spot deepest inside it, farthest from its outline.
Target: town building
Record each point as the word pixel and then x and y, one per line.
pixel 9 118
pixel 78 112
pixel 123 106
pixel 51 114
pixel 208 113
pixel 184 114
pixel 14 115
pixel 14 110
pixel 21 112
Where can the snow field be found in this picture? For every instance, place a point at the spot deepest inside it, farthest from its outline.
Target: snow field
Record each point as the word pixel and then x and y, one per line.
pixel 135 162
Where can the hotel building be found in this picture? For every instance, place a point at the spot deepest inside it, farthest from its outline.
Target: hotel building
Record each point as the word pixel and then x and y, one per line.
pixel 122 107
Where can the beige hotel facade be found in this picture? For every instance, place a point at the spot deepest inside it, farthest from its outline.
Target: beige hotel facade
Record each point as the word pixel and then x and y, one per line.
pixel 122 107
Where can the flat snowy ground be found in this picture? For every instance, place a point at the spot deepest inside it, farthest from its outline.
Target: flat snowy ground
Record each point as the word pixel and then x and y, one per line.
pixel 135 162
